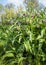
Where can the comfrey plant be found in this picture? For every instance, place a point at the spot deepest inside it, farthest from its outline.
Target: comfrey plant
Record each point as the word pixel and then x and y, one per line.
pixel 24 41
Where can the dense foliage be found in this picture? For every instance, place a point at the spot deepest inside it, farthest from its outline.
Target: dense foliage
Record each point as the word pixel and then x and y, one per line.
pixel 23 38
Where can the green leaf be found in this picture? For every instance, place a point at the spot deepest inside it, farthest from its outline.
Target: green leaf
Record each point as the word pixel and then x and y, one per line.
pixel 2 42
pixel 39 37
pixel 42 32
pixel 31 37
pixel 27 46
pixel 7 55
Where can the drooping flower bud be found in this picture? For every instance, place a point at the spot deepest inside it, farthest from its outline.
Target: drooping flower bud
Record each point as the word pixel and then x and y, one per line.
pixel 44 21
pixel 38 26
pixel 32 16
